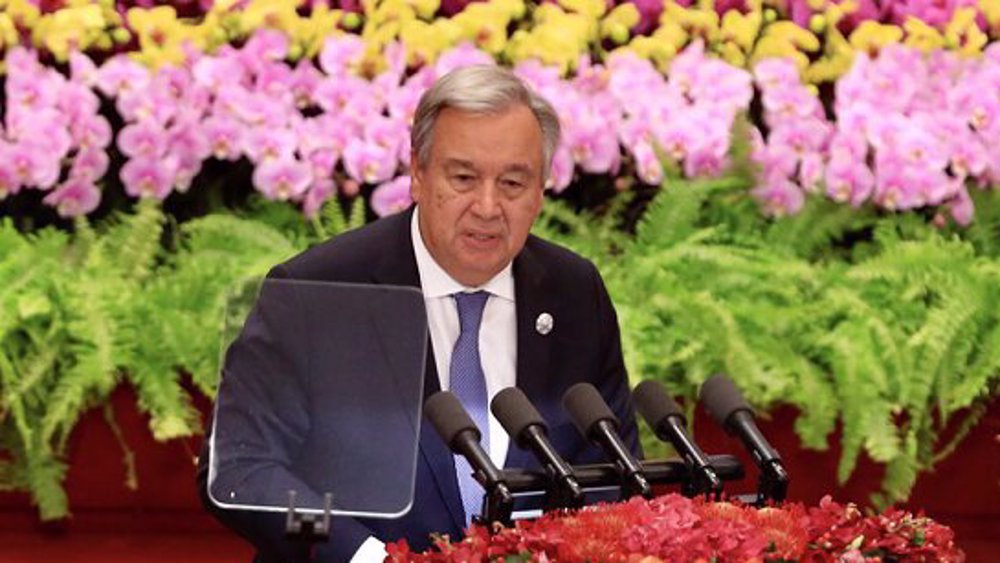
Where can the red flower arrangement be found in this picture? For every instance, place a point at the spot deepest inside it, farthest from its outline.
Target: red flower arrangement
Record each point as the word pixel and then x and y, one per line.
pixel 675 528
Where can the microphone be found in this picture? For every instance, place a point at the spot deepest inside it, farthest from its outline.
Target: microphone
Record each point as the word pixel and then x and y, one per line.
pixel 598 424
pixel 664 416
pixel 457 429
pixel 725 403
pixel 527 428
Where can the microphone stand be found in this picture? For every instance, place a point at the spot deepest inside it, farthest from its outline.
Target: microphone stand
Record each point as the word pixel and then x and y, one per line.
pixel 772 484
pixel 657 472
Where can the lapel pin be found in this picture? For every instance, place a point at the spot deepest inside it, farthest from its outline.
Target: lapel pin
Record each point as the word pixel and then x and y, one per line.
pixel 543 324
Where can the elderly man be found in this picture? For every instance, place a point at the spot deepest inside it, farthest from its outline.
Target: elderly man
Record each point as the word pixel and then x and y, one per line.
pixel 482 145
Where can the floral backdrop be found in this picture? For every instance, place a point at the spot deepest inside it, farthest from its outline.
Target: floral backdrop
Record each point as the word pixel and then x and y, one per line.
pixel 801 193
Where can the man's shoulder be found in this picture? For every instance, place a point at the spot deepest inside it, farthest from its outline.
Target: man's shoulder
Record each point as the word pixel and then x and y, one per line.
pixel 352 255
pixel 559 260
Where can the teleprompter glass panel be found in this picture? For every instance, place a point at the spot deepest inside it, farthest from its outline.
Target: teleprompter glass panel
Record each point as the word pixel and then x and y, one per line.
pixel 321 393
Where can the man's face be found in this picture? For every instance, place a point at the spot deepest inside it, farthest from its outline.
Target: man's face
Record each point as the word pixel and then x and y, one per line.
pixel 480 190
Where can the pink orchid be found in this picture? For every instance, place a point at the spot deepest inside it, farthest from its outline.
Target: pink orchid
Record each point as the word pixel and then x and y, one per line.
pixel 647 164
pixel 340 53
pixel 44 129
pixel 775 161
pixel 369 163
pixel 77 102
pixel 391 134
pixel 465 54
pixel 34 90
pixel 82 69
pixel 144 138
pixel 322 161
pixel 91 133
pixel 265 46
pixel 224 136
pixel 223 69
pixel 392 197
pixel 320 191
pixel 74 198
pixel 561 173
pixel 146 104
pixel 261 144
pixel 811 169
pixel 303 82
pixel 121 74
pixel 333 94
pixel 32 165
pixel 934 12
pixel 402 102
pixel 325 132
pixel 849 181
pixel 898 187
pixel 801 136
pixel 282 178
pixel 149 178
pixel 962 207
pixel 779 197
pixel 274 80
pixel 89 164
pixel 10 179
pixel 252 108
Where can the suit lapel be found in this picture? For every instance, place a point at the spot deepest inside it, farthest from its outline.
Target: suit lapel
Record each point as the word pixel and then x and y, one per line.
pixel 533 348
pixel 398 266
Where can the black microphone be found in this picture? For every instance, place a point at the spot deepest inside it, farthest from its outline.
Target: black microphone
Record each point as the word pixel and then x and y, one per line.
pixel 598 424
pixel 664 416
pixel 457 429
pixel 725 403
pixel 528 430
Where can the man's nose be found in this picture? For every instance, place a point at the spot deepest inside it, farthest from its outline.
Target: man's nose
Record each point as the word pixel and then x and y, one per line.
pixel 487 202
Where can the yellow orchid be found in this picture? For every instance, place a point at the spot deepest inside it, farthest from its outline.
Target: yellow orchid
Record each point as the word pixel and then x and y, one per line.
pixel 871 36
pixel 425 9
pixel 921 36
pixel 616 25
pixel 8 33
pixel 593 8
pixel 72 28
pixel 485 24
pixel 309 33
pixel 788 40
pixel 696 22
pixel 737 36
pixel 661 47
pixel 741 29
pixel 838 55
pixel 991 11
pixel 22 13
pixel 557 38
pixel 275 14
pixel 424 42
pixel 962 33
pixel 162 36
pixel 772 46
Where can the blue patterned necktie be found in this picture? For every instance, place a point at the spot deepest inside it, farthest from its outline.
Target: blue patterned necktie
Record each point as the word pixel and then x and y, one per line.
pixel 468 383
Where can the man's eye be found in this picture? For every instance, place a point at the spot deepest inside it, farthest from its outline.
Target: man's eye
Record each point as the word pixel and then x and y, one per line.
pixel 463 178
pixel 511 184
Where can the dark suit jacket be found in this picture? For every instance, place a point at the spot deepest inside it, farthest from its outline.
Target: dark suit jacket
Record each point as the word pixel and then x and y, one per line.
pixel 583 346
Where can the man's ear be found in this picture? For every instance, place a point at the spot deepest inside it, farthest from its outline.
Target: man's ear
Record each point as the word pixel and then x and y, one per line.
pixel 416 178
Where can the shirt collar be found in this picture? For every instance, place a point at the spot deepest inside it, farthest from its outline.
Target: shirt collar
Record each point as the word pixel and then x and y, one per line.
pixel 435 282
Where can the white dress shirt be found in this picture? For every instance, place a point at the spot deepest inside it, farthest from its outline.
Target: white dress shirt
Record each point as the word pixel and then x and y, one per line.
pixel 497 344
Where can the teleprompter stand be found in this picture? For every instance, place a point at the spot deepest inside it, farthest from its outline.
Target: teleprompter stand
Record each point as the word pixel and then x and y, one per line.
pixel 306 526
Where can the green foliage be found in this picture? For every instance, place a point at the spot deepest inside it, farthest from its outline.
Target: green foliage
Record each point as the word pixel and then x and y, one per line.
pixel 884 325
pixel 127 301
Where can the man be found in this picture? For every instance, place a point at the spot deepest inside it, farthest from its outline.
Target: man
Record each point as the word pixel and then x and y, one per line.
pixel 482 144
